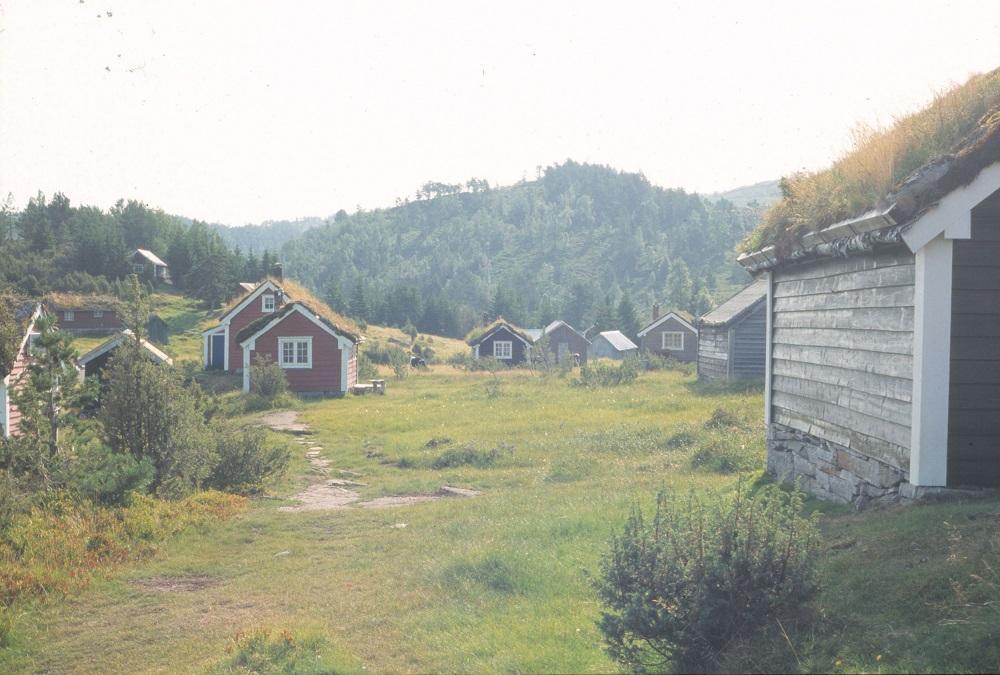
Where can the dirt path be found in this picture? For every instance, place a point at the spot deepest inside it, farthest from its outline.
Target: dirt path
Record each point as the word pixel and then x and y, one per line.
pixel 339 493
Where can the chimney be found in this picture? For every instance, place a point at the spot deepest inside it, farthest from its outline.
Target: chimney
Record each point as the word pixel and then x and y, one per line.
pixel 276 271
pixel 656 311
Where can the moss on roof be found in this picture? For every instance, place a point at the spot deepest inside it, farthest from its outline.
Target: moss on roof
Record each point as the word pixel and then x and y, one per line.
pixel 953 138
pixel 59 301
pixel 296 292
pixel 477 334
pixel 286 309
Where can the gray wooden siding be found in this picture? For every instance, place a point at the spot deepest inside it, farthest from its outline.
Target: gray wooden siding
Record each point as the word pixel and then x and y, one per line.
pixel 749 337
pixel 974 404
pixel 653 341
pixel 713 352
pixel 842 352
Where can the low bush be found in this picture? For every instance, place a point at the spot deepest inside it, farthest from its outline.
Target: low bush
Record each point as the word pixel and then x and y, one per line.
pixel 652 361
pixel 468 454
pixel 245 461
pixel 267 378
pixel 59 545
pixel 261 651
pixel 705 574
pixel 604 374
pixel 625 440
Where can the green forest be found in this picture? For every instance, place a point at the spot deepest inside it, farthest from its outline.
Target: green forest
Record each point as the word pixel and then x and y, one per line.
pixel 584 243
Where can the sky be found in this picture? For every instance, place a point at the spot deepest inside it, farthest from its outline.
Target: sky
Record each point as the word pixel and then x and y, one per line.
pixel 244 111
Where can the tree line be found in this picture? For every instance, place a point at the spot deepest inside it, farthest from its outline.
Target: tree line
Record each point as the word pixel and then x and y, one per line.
pixel 54 245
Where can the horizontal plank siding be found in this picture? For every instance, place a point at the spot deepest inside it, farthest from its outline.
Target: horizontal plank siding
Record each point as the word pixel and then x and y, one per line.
pixel 713 352
pixel 974 396
pixel 749 338
pixel 842 346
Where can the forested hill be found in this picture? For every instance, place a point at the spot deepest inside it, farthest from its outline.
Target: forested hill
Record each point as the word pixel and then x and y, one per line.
pixel 270 235
pixel 572 244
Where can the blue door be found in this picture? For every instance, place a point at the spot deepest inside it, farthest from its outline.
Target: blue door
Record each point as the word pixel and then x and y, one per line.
pixel 219 351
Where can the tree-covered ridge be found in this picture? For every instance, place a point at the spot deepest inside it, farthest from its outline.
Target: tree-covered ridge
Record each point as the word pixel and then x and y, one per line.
pixel 572 245
pixel 53 245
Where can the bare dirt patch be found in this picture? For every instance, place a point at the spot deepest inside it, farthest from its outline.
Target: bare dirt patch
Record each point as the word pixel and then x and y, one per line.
pixel 176 584
pixel 284 420
pixel 322 497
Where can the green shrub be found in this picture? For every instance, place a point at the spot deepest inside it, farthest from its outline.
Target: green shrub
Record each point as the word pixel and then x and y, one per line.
pixel 470 455
pixel 605 374
pixel 260 651
pixel 245 461
pixel 267 378
pixel 723 419
pixel 707 573
pixel 366 367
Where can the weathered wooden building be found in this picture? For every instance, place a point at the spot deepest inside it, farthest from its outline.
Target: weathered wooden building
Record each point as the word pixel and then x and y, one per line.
pixel 320 357
pixel 731 337
pixel 26 314
pixel 565 343
pixel 883 349
pixel 612 344
pixel 503 341
pixel 672 334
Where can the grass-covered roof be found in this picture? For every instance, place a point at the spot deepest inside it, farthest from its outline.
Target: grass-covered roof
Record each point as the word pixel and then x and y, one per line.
pixel 917 160
pixel 477 334
pixel 296 292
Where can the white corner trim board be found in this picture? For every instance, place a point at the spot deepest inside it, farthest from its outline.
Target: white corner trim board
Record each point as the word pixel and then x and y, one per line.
pixel 931 364
pixel 952 216
pixel 769 327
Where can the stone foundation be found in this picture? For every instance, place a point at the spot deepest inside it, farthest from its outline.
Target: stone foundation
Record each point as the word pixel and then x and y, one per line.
pixel 831 471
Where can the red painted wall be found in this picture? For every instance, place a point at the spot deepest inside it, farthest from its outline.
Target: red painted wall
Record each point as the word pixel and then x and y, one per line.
pixel 324 376
pixel 84 320
pixel 244 318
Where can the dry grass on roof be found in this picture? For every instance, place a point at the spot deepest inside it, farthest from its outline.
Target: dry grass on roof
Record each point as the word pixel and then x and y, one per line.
pixel 81 301
pixel 300 293
pixel 879 162
pixel 476 333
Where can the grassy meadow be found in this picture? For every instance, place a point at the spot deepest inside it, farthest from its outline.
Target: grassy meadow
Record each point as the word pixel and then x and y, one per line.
pixel 504 581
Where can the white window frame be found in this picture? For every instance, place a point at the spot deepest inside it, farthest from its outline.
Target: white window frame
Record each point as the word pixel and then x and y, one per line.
pixel 503 349
pixel 138 267
pixel 69 315
pixel 98 313
pixel 672 333
pixel 295 342
pixel 264 305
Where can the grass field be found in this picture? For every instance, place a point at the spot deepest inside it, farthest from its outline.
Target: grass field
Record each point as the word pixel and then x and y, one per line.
pixel 503 581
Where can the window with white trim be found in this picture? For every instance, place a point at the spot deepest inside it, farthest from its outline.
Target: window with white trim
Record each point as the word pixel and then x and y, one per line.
pixel 295 352
pixel 673 340
pixel 98 314
pixel 267 303
pixel 69 316
pixel 503 349
pixel 138 267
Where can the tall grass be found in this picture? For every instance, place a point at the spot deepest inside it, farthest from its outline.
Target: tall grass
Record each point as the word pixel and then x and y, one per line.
pixel 880 159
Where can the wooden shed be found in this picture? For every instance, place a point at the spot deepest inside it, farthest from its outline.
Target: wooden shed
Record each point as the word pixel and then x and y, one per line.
pixel 883 348
pixel 612 344
pixel 566 344
pixel 503 341
pixel 92 363
pixel 731 337
pixel 148 265
pixel 672 334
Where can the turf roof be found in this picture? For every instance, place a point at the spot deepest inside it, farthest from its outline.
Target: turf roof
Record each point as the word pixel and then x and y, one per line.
pixel 906 167
pixel 477 334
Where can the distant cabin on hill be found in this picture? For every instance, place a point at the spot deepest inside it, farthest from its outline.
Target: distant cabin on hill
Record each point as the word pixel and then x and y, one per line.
pixel 84 314
pixel 501 340
pixel 147 264
pixel 883 347
pixel 26 314
pixel 732 336
pixel 672 334
pixel 611 344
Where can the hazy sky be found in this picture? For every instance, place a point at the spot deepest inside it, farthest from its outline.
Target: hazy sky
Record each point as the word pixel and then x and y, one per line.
pixel 241 111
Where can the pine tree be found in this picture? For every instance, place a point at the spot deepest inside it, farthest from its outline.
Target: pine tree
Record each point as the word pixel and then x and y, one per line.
pixel 628 323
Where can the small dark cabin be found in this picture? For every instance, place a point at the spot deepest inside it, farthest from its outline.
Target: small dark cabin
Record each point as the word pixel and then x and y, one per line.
pixel 732 337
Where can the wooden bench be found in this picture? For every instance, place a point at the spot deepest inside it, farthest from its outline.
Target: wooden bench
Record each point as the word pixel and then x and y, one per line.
pixel 378 386
pixel 360 389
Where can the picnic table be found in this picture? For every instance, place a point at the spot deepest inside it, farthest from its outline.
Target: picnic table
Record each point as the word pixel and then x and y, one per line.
pixel 373 386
